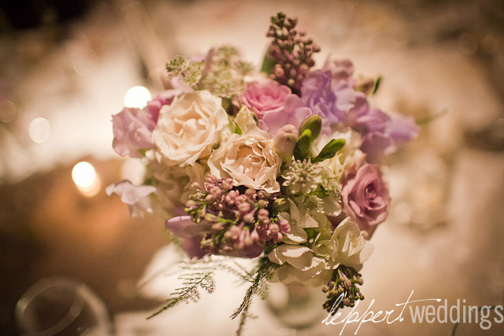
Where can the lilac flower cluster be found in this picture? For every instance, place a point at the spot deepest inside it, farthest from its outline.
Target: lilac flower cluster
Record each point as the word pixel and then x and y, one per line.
pixel 342 290
pixel 238 222
pixel 291 50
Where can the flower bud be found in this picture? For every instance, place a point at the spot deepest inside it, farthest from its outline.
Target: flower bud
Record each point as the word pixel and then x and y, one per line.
pixel 284 142
pixel 280 205
pixel 249 218
pixel 244 207
pixel 314 124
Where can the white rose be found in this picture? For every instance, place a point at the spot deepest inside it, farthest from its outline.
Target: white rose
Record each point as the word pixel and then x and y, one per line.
pixel 249 159
pixel 349 247
pixel 188 128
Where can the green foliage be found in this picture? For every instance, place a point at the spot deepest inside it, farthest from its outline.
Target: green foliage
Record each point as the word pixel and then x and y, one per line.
pixel 377 84
pixel 201 275
pixel 314 124
pixel 303 145
pixel 329 150
pixel 189 291
pixel 259 287
pixel 267 64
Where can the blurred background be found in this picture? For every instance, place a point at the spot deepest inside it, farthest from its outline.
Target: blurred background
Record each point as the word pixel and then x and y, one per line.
pixel 67 65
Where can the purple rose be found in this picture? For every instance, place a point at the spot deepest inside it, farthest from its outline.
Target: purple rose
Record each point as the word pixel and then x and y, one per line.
pixel 365 197
pixel 132 129
pixel 294 112
pixel 264 96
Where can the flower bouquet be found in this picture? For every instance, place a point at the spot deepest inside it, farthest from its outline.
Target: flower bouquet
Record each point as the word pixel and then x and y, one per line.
pixel 281 166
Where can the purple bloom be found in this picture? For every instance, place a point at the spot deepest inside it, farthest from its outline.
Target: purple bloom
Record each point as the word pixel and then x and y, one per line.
pixel 331 103
pixel 132 129
pixel 341 70
pixel 376 145
pixel 383 135
pixel 191 232
pixel 403 129
pixel 294 112
pixel 137 198
pixel 365 120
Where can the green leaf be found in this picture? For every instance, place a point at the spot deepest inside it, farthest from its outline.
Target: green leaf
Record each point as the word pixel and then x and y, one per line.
pixel 238 130
pixel 377 84
pixel 329 150
pixel 268 63
pixel 314 124
pixel 303 143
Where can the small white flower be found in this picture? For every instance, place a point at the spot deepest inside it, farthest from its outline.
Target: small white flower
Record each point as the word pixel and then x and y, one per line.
pixel 300 218
pixel 349 247
pixel 299 266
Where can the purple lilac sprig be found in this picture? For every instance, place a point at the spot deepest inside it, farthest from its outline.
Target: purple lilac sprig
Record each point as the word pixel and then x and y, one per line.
pixel 239 219
pixel 291 51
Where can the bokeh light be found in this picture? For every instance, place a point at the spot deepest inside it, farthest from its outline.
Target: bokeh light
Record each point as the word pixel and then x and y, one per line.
pixel 137 96
pixel 85 178
pixel 7 111
pixel 39 130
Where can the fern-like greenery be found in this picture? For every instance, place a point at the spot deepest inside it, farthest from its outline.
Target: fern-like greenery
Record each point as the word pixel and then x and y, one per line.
pixel 201 275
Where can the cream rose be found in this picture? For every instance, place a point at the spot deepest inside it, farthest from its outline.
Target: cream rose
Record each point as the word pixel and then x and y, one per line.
pixel 188 128
pixel 249 159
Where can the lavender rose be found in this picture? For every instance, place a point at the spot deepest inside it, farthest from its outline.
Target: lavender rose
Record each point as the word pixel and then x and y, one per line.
pixel 366 198
pixel 132 129
pixel 264 96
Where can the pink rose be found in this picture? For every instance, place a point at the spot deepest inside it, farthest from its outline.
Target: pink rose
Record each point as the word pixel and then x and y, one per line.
pixel 366 197
pixel 132 129
pixel 264 96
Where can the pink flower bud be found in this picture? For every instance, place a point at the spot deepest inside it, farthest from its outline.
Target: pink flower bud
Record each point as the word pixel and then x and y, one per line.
pixel 284 142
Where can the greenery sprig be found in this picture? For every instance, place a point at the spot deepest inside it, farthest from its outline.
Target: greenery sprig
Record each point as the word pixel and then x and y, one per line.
pixel 201 275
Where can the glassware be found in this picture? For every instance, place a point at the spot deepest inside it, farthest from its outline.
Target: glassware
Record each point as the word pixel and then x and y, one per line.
pixel 297 307
pixel 64 307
